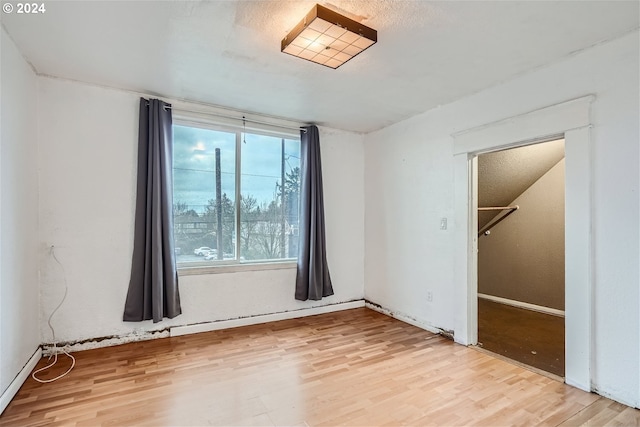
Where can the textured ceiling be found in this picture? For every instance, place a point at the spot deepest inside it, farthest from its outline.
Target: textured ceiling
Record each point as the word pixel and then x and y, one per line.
pixel 227 53
pixel 505 175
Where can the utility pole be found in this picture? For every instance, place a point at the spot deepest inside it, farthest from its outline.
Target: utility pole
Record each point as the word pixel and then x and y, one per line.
pixel 282 205
pixel 219 244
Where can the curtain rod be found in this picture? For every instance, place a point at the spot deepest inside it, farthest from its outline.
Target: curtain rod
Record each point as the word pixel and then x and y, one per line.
pixel 244 119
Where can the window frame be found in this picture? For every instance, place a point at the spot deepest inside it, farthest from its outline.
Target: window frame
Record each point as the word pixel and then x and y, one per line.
pixel 233 265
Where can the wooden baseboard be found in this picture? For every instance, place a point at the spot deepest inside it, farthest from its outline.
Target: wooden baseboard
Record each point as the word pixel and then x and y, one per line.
pixel 524 305
pixel 17 382
pixel 265 318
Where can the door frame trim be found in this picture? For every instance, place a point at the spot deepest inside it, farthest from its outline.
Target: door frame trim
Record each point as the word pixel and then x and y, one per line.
pixel 570 119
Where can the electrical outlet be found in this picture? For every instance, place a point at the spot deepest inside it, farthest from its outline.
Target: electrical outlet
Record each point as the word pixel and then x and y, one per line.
pixel 429 296
pixel 443 223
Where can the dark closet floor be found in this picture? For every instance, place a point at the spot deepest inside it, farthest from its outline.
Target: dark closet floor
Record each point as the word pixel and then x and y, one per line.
pixel 529 337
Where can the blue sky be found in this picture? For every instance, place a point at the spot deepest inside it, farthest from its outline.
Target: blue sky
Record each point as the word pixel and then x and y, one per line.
pixel 194 164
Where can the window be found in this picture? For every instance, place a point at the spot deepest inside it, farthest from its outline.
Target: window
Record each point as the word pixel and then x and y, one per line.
pixel 235 195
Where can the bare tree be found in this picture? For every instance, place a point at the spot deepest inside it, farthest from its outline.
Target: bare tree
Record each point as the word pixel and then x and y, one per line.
pixel 249 215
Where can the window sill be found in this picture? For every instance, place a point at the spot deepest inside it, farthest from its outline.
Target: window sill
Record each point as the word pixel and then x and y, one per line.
pixel 194 270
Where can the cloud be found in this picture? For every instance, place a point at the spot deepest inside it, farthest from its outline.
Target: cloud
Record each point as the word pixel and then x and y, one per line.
pixel 194 153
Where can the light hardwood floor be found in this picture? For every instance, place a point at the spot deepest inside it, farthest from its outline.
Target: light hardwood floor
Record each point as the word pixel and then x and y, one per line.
pixel 355 367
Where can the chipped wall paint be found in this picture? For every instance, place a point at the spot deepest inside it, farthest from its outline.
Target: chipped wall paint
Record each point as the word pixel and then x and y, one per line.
pixel 139 334
pixel 89 344
pixel 407 318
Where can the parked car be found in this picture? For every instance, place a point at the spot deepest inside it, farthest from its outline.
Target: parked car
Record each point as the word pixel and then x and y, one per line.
pixel 202 251
pixel 212 254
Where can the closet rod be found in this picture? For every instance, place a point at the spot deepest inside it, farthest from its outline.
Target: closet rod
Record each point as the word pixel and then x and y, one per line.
pixel 511 209
pixel 499 208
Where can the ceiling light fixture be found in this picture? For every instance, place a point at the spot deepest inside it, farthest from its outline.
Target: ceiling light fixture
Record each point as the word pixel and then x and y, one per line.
pixel 328 38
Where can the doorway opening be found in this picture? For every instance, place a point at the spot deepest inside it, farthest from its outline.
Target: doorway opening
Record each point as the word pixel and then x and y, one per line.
pixel 569 118
pixel 521 254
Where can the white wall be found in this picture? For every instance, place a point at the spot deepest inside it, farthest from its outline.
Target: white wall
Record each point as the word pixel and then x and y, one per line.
pixel 88 149
pixel 409 185
pixel 19 324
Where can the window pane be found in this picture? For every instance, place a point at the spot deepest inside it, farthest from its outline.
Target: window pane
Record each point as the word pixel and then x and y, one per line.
pixel 269 210
pixel 195 203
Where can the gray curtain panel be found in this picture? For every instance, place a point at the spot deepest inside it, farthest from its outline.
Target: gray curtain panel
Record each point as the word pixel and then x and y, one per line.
pixel 313 280
pixel 153 288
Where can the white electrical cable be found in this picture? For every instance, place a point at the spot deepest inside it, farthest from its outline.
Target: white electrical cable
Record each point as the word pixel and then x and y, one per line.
pixel 53 333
